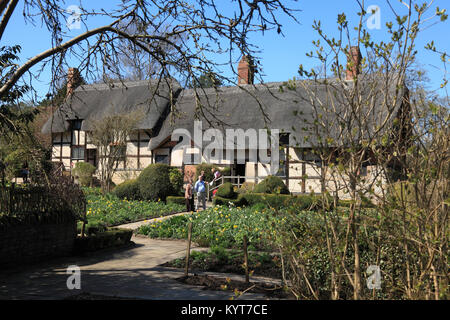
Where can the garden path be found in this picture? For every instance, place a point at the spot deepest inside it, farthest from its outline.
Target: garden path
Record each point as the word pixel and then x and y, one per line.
pixel 136 225
pixel 131 272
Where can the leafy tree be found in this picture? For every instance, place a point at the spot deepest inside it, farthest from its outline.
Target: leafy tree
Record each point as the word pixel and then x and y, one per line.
pixel 368 117
pixel 110 136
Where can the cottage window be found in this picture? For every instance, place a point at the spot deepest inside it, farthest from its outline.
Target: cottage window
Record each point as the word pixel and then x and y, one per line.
pixel 160 158
pixel 75 124
pixel 77 153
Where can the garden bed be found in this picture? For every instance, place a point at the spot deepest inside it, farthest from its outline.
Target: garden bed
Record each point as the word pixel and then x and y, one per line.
pixel 237 287
pixel 219 226
pixel 230 261
pixel 110 211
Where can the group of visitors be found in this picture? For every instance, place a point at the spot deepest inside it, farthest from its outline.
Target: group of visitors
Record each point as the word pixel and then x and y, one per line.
pixel 200 188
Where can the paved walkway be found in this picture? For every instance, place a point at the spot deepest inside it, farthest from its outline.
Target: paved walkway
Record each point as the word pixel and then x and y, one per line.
pixel 136 225
pixel 131 272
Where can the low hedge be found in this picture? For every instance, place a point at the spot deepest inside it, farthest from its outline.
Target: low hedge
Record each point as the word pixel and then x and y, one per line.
pixel 239 202
pixel 301 202
pixel 176 199
pixel 106 239
pixel 226 191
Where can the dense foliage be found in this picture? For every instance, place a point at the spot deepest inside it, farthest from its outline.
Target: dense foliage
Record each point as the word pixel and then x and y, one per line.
pixel 176 180
pixel 271 184
pixel 226 190
pixel 128 190
pixel 84 171
pixel 154 182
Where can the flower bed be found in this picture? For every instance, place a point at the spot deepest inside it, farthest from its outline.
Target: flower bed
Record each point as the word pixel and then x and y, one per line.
pixel 105 211
pixel 230 261
pixel 219 226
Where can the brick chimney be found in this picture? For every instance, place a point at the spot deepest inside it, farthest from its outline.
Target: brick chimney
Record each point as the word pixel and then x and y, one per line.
pixel 353 63
pixel 73 76
pixel 246 71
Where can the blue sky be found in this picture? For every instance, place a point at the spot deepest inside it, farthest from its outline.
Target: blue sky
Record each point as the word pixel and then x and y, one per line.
pixel 280 56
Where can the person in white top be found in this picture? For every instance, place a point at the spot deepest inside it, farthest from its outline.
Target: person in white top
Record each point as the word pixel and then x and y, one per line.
pixel 216 175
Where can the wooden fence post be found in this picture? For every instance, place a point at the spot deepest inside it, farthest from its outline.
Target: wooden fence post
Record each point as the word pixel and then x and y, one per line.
pixel 246 260
pixel 188 250
pixel 84 221
pixel 11 193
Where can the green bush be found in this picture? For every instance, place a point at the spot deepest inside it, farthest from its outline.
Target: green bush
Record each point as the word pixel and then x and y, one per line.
pixel 226 191
pixel 128 190
pixel 84 172
pixel 176 199
pixel 154 182
pixel 207 168
pixel 271 184
pixel 176 179
pixel 226 171
pixel 246 187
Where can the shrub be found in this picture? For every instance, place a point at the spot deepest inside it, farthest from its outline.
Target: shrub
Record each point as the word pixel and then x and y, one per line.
pixel 154 182
pixel 226 191
pixel 175 199
pixel 207 168
pixel 226 171
pixel 246 187
pixel 176 179
pixel 271 184
pixel 128 190
pixel 84 172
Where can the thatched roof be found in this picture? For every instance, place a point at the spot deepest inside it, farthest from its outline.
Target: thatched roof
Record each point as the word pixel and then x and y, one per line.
pixel 268 106
pixel 261 106
pixel 92 102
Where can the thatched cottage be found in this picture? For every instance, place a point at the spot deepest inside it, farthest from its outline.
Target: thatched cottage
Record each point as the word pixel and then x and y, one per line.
pixel 241 108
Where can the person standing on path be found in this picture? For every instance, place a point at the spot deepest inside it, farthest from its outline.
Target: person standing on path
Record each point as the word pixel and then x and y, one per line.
pixel 216 175
pixel 200 188
pixel 189 196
